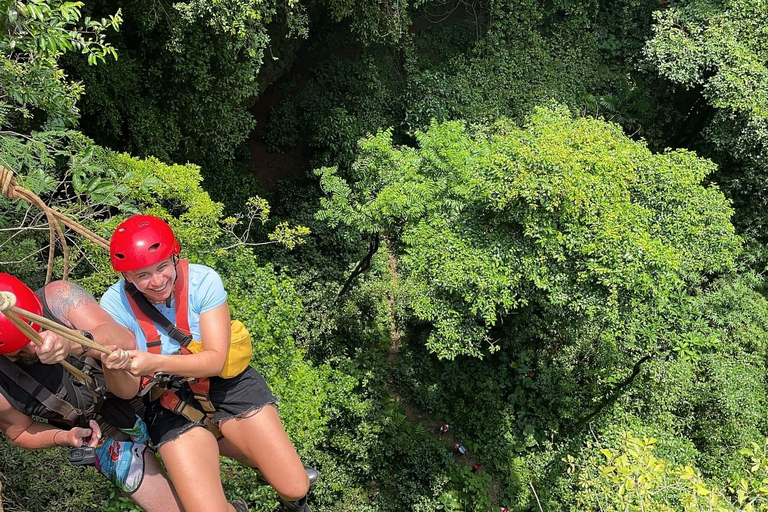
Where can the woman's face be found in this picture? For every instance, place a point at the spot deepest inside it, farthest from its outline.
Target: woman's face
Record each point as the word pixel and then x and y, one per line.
pixel 155 282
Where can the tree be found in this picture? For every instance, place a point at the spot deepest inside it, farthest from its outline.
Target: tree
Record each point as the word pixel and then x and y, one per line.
pixel 33 36
pixel 716 49
pixel 187 73
pixel 566 217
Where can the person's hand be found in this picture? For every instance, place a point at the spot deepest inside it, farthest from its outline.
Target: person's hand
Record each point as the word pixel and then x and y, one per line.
pixel 79 436
pixel 142 363
pixel 54 349
pixel 119 359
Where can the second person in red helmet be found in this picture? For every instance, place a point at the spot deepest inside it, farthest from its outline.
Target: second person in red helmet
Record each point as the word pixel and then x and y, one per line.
pixel 194 303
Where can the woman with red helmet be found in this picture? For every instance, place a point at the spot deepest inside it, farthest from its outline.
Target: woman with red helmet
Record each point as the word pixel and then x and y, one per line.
pixel 193 301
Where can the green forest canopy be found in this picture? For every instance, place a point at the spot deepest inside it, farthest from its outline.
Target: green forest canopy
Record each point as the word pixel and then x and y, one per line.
pixel 539 222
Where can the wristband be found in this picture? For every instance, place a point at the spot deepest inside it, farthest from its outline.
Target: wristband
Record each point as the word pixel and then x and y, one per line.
pixel 78 349
pixel 54 438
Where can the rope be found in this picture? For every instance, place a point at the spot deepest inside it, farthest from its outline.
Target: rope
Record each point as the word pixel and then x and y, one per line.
pixel 9 309
pixel 12 190
pixel 8 303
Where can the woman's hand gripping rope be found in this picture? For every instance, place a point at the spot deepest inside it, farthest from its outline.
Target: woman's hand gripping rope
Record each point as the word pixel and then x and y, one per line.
pixel 119 359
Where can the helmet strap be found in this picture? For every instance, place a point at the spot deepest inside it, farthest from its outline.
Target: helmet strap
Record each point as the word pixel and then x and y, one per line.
pixel 175 259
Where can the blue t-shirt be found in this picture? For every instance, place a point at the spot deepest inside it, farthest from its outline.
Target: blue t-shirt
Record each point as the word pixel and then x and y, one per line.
pixel 206 292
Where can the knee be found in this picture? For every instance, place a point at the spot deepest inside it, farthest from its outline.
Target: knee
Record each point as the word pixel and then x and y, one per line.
pixel 294 489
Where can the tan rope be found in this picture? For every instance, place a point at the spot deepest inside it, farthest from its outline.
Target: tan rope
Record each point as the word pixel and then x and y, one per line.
pixel 8 308
pixel 7 303
pixel 61 330
pixel 12 190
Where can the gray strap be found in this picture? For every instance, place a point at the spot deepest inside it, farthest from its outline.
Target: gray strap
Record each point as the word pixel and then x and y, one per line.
pixel 39 392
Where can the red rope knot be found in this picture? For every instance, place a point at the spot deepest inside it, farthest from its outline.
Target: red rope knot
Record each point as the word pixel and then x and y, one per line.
pixel 7 183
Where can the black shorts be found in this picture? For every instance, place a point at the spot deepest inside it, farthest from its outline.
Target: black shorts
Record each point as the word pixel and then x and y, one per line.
pixel 232 398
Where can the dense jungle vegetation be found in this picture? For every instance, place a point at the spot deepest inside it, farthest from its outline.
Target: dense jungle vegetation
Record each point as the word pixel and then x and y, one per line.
pixel 540 222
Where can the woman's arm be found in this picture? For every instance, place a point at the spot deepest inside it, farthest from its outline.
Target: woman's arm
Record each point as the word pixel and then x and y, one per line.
pixel 116 368
pixel 215 335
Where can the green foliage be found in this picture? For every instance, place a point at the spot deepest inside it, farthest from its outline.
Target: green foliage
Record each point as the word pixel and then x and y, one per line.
pixel 73 176
pixel 373 22
pixel 542 289
pixel 633 478
pixel 44 480
pixel 444 70
pixel 331 113
pixel 33 36
pixel 556 215
pixel 716 49
pixel 185 78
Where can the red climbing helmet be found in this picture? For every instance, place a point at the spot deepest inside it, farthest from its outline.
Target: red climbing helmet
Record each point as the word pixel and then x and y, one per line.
pixel 12 339
pixel 140 241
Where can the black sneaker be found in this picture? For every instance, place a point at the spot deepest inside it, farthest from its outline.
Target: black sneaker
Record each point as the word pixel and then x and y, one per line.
pixel 297 506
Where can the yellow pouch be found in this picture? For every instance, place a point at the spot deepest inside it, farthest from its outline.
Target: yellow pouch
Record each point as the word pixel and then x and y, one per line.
pixel 240 350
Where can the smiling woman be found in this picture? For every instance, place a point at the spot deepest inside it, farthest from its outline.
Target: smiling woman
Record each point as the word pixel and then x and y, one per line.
pixel 241 409
pixel 155 281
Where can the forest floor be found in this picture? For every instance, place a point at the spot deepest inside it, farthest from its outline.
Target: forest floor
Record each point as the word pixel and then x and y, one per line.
pixel 412 414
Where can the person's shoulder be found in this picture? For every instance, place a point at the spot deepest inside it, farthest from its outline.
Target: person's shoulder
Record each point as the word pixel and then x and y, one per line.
pixel 115 288
pixel 206 286
pixel 197 268
pixel 201 274
pixel 62 288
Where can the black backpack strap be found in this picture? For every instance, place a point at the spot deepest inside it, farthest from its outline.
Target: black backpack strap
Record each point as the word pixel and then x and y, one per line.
pixel 76 396
pixel 156 316
pixel 53 403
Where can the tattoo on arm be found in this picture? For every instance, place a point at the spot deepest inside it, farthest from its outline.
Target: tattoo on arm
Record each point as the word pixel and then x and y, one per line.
pixel 64 297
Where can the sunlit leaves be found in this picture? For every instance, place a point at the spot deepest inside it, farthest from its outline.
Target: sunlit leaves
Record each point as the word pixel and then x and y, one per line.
pixel 33 35
pixel 567 213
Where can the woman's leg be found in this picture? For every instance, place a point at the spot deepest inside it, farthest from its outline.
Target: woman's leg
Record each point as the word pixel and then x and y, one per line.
pixel 192 461
pixel 227 449
pixel 263 441
pixel 155 494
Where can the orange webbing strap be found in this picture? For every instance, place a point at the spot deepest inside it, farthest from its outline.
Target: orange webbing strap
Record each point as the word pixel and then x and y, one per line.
pixel 172 402
pixel 180 308
pixel 181 296
pixel 201 389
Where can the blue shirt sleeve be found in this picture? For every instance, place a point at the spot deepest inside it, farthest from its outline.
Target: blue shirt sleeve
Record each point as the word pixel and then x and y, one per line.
pixel 207 289
pixel 112 303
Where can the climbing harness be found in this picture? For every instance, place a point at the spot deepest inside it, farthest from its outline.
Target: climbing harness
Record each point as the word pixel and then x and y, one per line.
pixel 87 372
pixel 70 402
pixel 148 317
